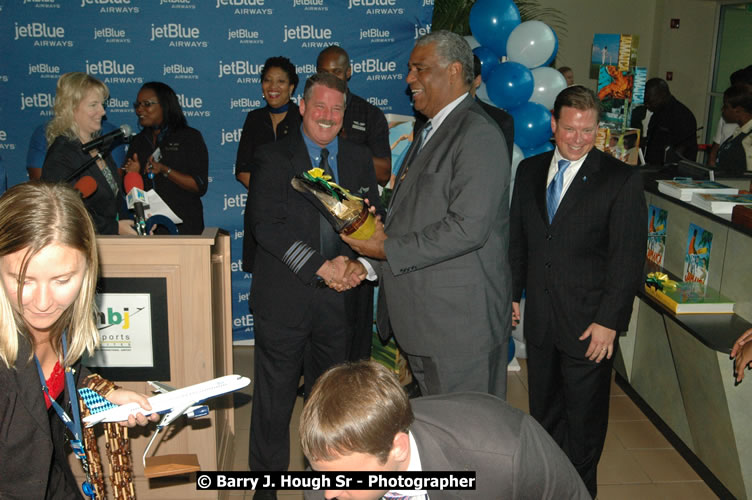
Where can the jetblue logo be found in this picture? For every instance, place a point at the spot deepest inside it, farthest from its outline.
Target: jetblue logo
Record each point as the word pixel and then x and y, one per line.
pixel 38 30
pixel 3 138
pixel 38 100
pixel 114 72
pixel 377 69
pixel 179 71
pixel 237 201
pixel 110 67
pixel 111 35
pixel 239 68
pixel 245 103
pixel 48 4
pixel 377 7
pixel 178 4
pixel 174 30
pixel 230 136
pixel 310 5
pixel 193 106
pixel 244 35
pixel 422 30
pixel 178 35
pixel 115 105
pixel 45 70
pixel 111 6
pixel 306 32
pixel 246 7
pixel 426 3
pixel 376 35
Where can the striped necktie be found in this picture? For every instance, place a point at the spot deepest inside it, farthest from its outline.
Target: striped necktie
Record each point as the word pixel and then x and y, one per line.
pixel 553 194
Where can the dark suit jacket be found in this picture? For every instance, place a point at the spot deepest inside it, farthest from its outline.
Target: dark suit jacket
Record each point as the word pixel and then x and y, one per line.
pixel 513 457
pixel 286 225
pixel 63 158
pixel 505 122
pixel 32 440
pixel 445 283
pixel 587 265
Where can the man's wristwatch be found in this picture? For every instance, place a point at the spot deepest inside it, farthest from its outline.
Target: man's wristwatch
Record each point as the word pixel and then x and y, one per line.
pixel 167 172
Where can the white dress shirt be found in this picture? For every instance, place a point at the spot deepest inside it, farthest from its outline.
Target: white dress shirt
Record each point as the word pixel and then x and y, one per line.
pixel 569 173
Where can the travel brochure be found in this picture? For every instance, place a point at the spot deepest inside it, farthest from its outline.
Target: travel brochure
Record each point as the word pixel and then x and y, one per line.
pixel 657 218
pixel 697 257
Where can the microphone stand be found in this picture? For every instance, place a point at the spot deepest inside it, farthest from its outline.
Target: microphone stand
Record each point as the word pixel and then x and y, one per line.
pixel 106 147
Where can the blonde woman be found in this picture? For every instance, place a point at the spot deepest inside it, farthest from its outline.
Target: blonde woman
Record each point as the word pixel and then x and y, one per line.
pixel 48 269
pixel 79 108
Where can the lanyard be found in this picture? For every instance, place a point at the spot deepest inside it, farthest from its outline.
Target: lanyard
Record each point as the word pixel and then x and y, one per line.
pixel 74 426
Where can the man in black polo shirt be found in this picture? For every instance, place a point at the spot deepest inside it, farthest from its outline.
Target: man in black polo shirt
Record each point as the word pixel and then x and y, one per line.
pixel 672 126
pixel 364 123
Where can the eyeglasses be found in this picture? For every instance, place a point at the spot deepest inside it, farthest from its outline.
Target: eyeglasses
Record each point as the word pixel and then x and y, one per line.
pixel 146 104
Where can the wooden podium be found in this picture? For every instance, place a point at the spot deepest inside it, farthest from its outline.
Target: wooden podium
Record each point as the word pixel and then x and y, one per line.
pixel 196 272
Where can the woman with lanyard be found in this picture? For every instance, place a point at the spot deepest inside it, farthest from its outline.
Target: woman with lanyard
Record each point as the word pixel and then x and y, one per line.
pixel 171 156
pixel 279 117
pixel 48 269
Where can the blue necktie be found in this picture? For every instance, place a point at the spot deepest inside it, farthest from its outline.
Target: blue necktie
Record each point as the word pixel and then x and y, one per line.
pixel 553 194
pixel 421 142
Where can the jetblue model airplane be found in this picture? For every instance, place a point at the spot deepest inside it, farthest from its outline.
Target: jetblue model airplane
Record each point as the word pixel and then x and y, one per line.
pixel 172 402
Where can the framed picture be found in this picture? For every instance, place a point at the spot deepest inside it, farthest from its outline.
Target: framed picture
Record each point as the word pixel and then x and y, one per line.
pixel 131 318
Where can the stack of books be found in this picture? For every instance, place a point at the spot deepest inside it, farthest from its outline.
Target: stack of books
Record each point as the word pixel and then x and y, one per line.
pixel 721 204
pixel 684 189
pixel 692 298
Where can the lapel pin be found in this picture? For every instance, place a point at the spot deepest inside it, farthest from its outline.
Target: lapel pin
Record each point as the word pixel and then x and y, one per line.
pixel 584 178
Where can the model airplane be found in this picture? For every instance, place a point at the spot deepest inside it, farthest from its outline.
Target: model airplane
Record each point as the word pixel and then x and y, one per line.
pixel 172 403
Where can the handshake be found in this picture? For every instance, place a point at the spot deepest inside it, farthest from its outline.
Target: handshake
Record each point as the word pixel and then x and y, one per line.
pixel 342 273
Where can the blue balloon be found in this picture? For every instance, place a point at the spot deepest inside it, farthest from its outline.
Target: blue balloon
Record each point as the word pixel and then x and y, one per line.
pixel 556 49
pixel 532 125
pixel 488 61
pixel 536 150
pixel 491 22
pixel 509 85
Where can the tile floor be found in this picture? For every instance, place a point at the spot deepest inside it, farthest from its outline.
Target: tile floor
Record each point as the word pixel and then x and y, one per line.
pixel 637 462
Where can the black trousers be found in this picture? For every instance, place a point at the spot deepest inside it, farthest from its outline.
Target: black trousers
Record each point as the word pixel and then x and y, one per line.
pixel 569 397
pixel 320 342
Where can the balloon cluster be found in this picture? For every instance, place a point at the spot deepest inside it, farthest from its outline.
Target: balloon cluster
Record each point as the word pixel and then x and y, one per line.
pixel 524 85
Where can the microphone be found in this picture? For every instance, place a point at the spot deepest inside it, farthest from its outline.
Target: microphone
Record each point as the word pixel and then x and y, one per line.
pixel 136 198
pixel 123 131
pixel 86 186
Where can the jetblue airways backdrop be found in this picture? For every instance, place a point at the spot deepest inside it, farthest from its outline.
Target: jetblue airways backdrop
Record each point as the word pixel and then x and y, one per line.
pixel 211 52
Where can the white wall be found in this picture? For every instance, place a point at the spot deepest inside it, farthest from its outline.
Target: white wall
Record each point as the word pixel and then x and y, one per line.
pixel 687 52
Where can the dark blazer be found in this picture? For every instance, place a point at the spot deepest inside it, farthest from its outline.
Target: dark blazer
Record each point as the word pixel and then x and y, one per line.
pixel 63 158
pixel 445 283
pixel 513 457
pixel 505 122
pixel 283 221
pixel 587 265
pixel 32 450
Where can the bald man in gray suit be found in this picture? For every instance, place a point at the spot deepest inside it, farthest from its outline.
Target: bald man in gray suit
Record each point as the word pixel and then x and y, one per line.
pixel 445 287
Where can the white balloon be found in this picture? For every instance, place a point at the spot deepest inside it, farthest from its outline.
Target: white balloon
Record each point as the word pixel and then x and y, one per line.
pixel 548 82
pixel 482 94
pixel 531 43
pixel 472 41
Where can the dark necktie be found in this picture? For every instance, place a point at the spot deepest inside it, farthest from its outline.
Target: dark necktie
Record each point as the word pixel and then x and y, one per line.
pixel 330 242
pixel 553 194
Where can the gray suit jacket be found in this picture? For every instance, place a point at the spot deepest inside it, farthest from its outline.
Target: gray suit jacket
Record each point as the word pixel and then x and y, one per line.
pixel 513 457
pixel 445 283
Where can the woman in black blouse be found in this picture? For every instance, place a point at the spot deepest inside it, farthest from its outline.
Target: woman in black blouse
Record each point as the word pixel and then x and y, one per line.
pixel 171 156
pixel 279 117
pixel 79 109
pixel 274 121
